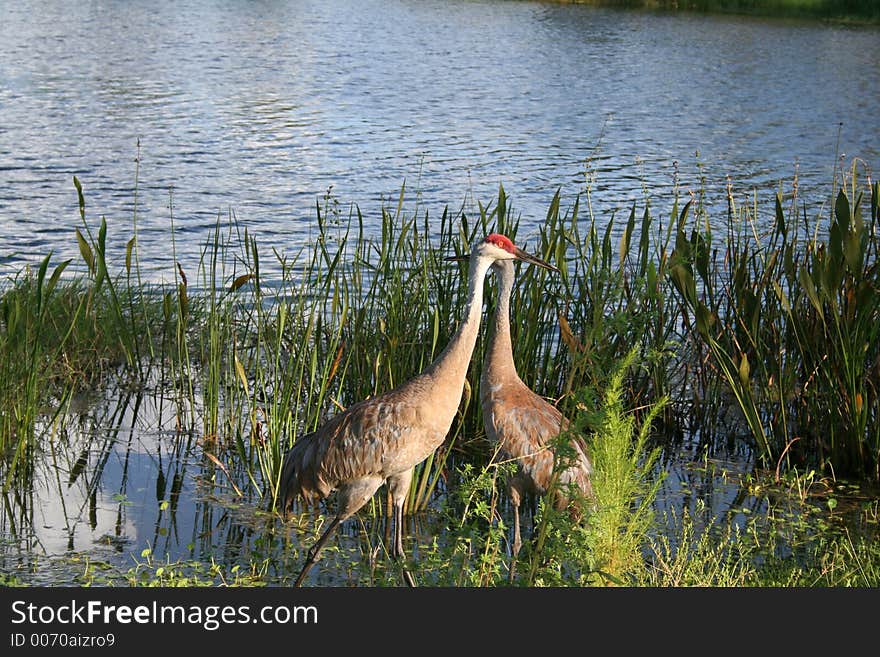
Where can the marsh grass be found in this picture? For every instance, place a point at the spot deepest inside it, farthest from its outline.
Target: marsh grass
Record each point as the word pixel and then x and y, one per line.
pixel 252 349
pixel 790 319
pixel 776 549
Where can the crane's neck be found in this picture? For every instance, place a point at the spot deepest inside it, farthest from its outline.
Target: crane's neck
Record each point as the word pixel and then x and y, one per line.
pixel 499 353
pixel 452 364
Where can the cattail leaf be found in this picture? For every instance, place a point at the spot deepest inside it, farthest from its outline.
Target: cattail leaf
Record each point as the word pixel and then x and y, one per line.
pixel 86 251
pixel 102 237
pixel 240 281
pixel 780 216
pixel 239 371
pixel 704 318
pixel 810 289
pixel 183 300
pixel 853 251
pixel 80 198
pixel 255 258
pixel 56 274
pixel 568 337
pixel 435 332
pixel 282 318
pixel 606 244
pixel 334 366
pixel 842 211
pixel 744 370
pixel 41 276
pixel 782 296
pixel 561 260
pixel 222 467
pixel 129 247
pixel 627 235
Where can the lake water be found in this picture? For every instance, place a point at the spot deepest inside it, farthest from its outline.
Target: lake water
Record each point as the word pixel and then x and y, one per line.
pixel 259 108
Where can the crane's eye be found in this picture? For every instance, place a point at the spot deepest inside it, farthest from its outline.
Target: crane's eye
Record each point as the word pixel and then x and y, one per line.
pixel 501 241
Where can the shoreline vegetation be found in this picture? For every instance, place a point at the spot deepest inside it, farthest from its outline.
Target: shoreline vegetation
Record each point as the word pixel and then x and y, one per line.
pixel 761 324
pixel 842 11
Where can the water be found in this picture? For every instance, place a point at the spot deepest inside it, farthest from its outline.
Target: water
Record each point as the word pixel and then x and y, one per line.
pixel 260 108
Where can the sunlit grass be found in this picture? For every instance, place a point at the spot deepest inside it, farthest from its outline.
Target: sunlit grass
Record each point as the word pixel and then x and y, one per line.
pixel 772 314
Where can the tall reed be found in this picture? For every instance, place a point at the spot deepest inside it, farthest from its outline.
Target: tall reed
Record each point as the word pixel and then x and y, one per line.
pixel 777 318
pixel 790 319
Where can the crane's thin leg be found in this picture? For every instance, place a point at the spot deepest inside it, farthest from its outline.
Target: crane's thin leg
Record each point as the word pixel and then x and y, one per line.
pixel 398 545
pixel 517 544
pixel 515 498
pixel 316 550
pixel 399 487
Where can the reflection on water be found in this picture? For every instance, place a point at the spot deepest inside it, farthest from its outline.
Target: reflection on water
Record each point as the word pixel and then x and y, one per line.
pixel 261 107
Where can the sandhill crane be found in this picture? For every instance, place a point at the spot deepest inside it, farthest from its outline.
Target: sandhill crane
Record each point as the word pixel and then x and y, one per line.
pixel 522 423
pixel 383 438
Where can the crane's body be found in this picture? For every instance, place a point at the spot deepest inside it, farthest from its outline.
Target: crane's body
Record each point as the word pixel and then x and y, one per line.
pixel 522 423
pixel 383 438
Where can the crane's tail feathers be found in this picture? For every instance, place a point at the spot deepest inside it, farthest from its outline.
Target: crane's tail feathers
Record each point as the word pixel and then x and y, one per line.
pixel 285 485
pixel 299 477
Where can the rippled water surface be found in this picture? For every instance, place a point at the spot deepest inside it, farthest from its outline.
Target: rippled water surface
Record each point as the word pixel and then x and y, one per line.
pixel 260 108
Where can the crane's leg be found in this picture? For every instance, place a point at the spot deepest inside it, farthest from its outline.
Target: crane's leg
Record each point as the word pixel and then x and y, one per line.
pixel 316 550
pixel 515 499
pixel 351 497
pixel 399 486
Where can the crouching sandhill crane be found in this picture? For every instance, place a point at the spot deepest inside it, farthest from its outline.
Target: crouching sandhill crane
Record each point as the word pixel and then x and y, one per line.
pixel 383 438
pixel 521 423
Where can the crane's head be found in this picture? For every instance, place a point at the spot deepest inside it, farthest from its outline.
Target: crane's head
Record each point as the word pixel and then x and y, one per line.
pixel 495 247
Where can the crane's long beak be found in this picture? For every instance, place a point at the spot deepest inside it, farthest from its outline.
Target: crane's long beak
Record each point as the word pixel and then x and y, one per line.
pixel 528 257
pixel 519 253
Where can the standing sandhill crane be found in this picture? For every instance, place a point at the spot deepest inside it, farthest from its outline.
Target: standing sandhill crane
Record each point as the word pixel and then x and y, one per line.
pixel 383 438
pixel 522 423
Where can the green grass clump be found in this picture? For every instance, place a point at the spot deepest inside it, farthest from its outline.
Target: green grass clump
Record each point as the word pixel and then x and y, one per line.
pixel 774 550
pixel 56 338
pixel 604 545
pixel 790 322
pixel 625 481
